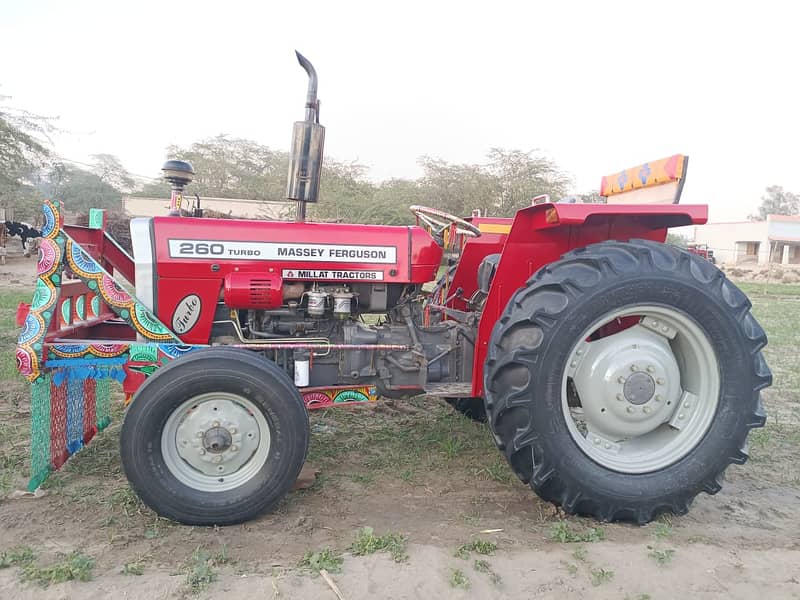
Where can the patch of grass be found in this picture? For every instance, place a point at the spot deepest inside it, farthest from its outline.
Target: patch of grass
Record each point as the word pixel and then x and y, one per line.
pixel 661 556
pixel 572 568
pixel 200 572
pixel 327 559
pixel 497 471
pixel 17 556
pixel 483 566
pixel 600 576
pixel 367 542
pixel 478 546
pixel 580 553
pixel 458 579
pixel 365 479
pixel 74 566
pixel 662 530
pixel 133 567
pixel 562 532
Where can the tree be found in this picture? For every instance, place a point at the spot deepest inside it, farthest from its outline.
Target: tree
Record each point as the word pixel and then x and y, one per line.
pixel 23 151
pixel 228 167
pixel 508 181
pixel 80 190
pixel 457 189
pixel 677 239
pixel 520 176
pixel 777 201
pixel 110 170
pixel 592 197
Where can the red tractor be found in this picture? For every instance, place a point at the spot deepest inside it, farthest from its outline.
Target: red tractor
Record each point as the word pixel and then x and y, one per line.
pixel 701 250
pixel 619 375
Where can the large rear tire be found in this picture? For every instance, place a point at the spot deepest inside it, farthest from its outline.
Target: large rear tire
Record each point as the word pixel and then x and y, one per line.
pixel 216 437
pixel 623 379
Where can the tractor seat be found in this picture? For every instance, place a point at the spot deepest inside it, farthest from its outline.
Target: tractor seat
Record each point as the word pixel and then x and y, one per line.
pixel 486 271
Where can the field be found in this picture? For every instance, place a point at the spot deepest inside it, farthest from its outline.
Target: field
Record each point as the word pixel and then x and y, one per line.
pixel 411 501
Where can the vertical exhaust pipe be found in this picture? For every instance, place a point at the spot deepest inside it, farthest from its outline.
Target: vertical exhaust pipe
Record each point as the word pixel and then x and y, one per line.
pixel 305 155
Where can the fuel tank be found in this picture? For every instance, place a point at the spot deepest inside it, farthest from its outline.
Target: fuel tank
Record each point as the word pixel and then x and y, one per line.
pixel 182 262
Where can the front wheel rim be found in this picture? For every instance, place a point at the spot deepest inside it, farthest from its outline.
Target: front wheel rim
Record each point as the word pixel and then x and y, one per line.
pixel 641 399
pixel 215 442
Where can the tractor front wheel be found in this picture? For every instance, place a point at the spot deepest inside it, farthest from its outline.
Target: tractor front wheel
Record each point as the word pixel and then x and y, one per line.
pixel 216 437
pixel 623 379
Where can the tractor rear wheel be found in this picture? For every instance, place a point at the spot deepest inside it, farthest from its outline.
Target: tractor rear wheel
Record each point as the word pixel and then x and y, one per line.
pixel 623 379
pixel 216 437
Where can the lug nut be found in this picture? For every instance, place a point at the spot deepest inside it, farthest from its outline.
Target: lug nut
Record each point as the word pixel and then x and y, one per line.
pixel 232 430
pixel 651 369
pixel 630 409
pixel 607 446
pixel 201 452
pixel 234 448
pixel 620 379
pixel 660 381
pixel 620 397
pixel 681 416
pixel 647 409
pixel 597 441
pixel 217 459
pixel 653 323
pixel 686 405
pixel 215 424
pixel 573 364
pixel 634 368
pixel 658 398
pixel 200 434
pixel 665 329
pixel 579 352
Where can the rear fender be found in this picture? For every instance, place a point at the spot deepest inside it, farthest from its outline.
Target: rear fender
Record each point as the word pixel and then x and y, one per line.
pixel 543 233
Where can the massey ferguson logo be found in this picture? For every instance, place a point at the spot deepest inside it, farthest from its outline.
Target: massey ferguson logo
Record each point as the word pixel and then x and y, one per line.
pixel 333 253
pixel 186 314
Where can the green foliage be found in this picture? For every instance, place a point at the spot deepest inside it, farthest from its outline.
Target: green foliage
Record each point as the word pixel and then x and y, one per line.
pixel 23 152
pixel 74 566
pixel 662 530
pixel 80 190
pixel 562 532
pixel 17 556
pixel 777 201
pixel 677 240
pixel 483 566
pixel 367 542
pixel 478 546
pixel 134 567
pixel 661 556
pixel 580 553
pixel 601 575
pixel 200 572
pixel 507 182
pixel 327 559
pixel 458 579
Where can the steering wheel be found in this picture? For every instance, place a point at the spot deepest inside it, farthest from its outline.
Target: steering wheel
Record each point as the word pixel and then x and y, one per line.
pixel 437 222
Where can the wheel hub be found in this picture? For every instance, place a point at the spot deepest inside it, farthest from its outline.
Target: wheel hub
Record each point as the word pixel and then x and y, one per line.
pixel 216 437
pixel 639 388
pixel 628 383
pixel 217 440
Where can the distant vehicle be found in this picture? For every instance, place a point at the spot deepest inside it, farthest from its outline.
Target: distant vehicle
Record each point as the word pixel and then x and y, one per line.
pixel 702 250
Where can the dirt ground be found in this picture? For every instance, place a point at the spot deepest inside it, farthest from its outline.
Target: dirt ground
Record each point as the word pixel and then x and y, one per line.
pixel 419 470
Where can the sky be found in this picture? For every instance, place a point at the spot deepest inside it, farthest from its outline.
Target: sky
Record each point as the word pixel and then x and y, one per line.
pixel 595 86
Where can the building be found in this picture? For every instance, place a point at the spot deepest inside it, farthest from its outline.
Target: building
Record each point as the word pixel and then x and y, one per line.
pixel 775 240
pixel 135 206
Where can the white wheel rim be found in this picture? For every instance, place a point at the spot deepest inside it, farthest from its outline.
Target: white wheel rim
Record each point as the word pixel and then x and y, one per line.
pixel 641 399
pixel 215 442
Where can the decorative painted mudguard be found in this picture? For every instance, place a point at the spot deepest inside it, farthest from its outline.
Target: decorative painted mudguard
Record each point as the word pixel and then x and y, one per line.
pixel 70 391
pixel 71 381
